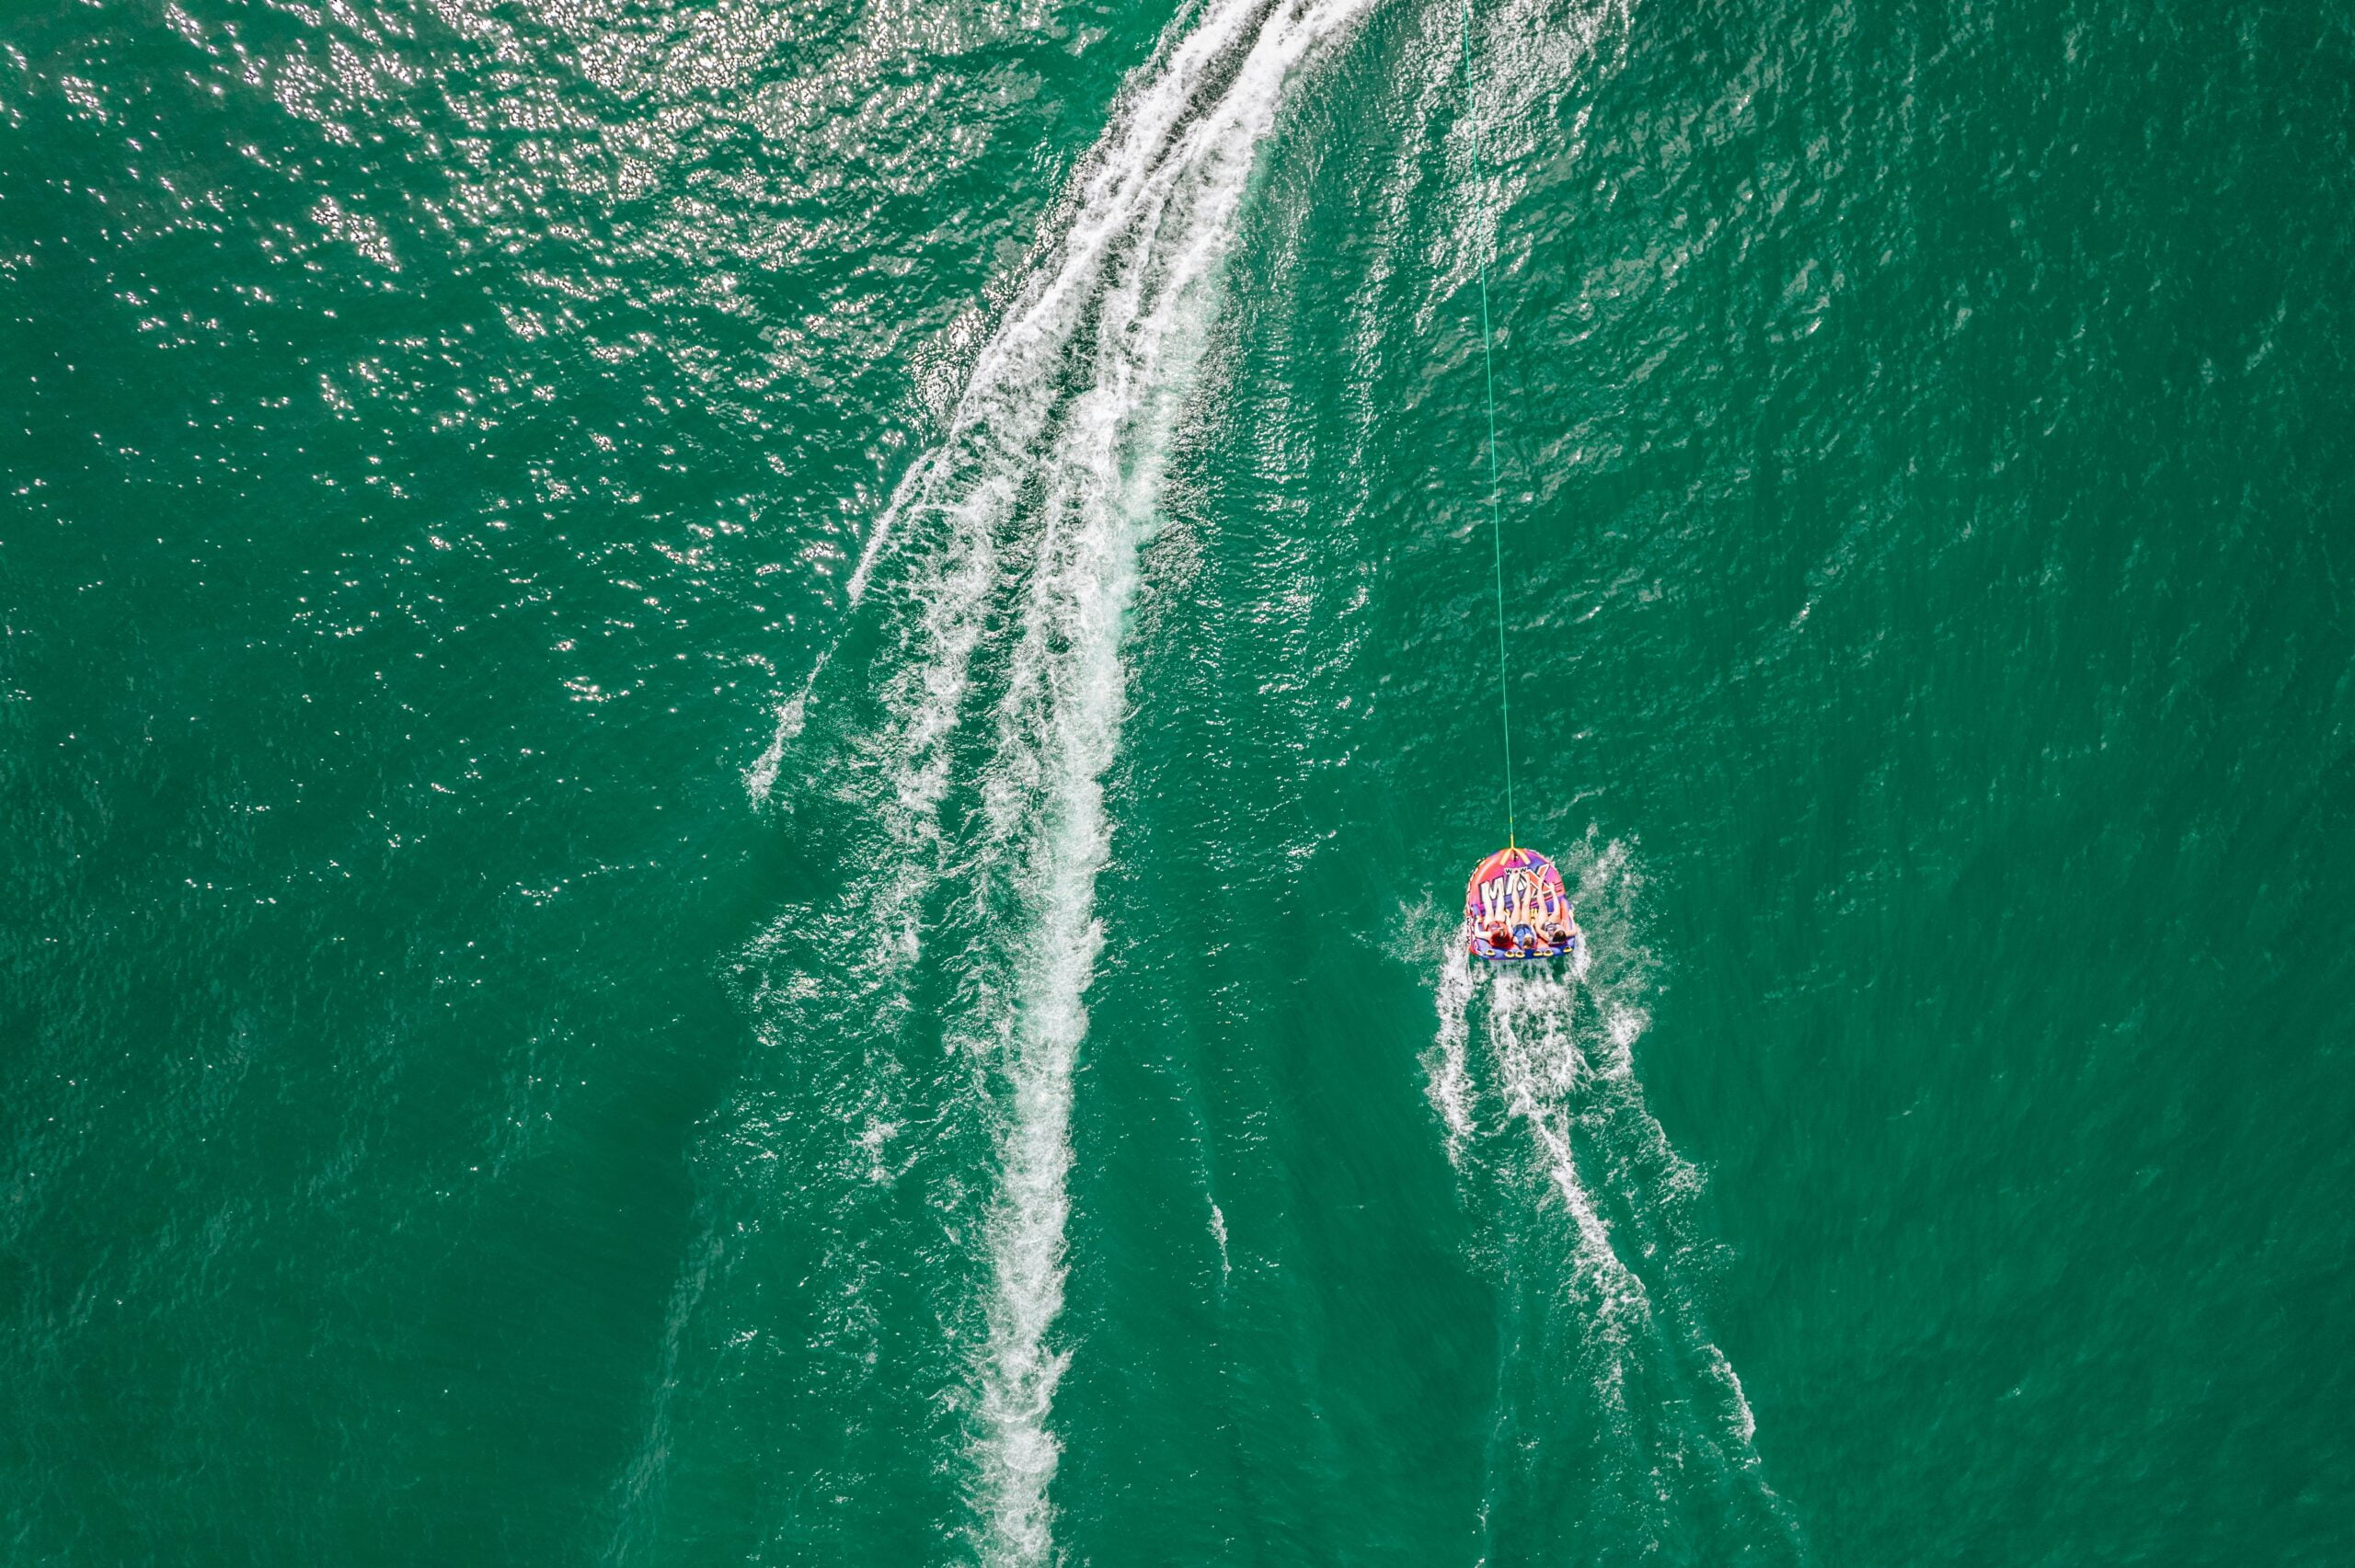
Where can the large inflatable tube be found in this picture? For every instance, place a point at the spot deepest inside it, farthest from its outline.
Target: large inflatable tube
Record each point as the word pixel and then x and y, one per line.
pixel 1516 908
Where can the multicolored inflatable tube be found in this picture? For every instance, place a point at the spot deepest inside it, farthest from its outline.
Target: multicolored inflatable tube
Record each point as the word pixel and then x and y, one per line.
pixel 1517 910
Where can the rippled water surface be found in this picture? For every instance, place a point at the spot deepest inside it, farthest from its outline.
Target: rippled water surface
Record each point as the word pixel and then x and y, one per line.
pixel 737 741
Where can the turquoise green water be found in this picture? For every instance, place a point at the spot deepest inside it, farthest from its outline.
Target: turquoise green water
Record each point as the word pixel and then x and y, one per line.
pixel 739 741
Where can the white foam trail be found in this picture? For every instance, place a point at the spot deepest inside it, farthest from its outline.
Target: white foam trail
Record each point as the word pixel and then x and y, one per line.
pixel 1539 1067
pixel 1446 1067
pixel 1156 217
pixel 1033 508
pixel 1582 1102
pixel 1030 511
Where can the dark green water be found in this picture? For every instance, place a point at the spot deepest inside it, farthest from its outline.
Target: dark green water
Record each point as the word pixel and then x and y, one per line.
pixel 737 743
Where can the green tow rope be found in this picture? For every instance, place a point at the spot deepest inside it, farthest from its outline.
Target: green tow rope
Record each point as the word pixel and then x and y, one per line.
pixel 1496 516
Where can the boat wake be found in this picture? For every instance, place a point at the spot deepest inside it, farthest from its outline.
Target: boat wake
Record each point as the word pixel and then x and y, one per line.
pixel 1610 1386
pixel 932 1007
